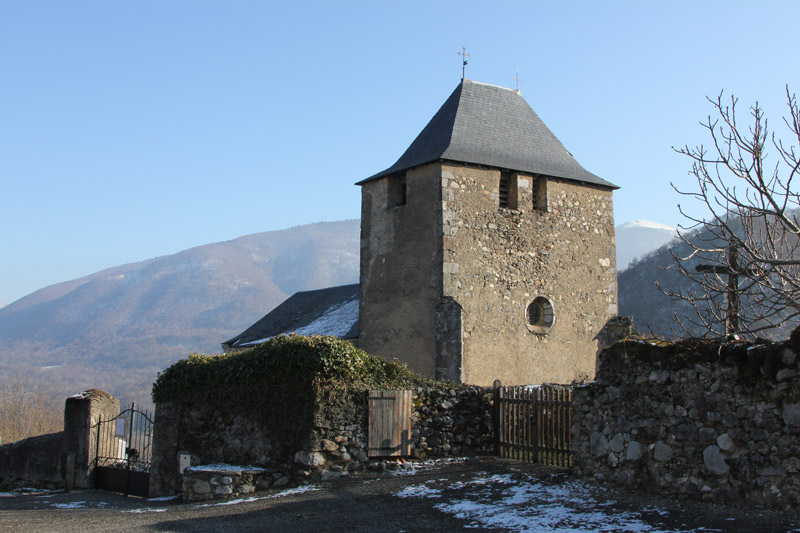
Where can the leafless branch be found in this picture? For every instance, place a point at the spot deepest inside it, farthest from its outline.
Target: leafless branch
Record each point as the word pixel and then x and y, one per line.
pixel 751 207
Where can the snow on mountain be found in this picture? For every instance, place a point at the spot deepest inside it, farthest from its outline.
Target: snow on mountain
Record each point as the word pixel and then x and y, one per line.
pixel 639 237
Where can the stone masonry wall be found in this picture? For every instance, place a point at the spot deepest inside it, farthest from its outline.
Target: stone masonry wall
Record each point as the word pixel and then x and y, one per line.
pixel 446 277
pixel 33 462
pixel 717 422
pixel 556 242
pixel 446 422
pixel 452 422
pixel 400 273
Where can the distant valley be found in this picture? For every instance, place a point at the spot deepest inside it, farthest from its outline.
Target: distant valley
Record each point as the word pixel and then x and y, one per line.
pixel 116 329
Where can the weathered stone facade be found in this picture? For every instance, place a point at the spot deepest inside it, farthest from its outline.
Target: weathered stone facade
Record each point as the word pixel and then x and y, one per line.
pixel 450 272
pixel 558 245
pixel 714 421
pixel 401 269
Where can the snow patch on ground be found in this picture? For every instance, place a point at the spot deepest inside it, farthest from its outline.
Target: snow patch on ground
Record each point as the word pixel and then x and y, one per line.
pixel 501 501
pixel 25 490
pixel 70 505
pixel 146 510
pixel 288 492
pixel 410 468
pixel 222 467
pixel 164 498
pixel 419 491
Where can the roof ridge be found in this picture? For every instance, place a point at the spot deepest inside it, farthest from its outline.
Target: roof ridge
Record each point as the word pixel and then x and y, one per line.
pixel 491 85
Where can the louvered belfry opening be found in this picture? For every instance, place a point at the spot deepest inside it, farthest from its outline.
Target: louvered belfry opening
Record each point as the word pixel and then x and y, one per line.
pixel 505 178
pixel 507 192
pixel 397 190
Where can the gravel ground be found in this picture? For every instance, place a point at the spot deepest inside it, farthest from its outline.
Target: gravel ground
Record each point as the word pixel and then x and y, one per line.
pixel 482 494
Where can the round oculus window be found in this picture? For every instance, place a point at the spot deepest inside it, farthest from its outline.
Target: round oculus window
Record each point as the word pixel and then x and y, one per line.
pixel 539 315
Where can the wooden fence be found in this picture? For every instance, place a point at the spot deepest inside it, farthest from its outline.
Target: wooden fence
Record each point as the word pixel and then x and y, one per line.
pixel 532 423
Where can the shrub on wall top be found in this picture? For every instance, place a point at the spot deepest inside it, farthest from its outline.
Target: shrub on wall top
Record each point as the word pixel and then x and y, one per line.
pixel 284 366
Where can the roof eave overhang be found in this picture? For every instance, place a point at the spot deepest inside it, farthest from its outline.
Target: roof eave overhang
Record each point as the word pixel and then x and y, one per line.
pixel 391 170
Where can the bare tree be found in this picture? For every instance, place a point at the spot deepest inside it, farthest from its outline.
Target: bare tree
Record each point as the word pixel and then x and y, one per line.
pixel 27 410
pixel 744 250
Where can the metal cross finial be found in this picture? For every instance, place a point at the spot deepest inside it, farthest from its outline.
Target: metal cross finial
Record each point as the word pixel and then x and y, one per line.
pixel 516 78
pixel 464 55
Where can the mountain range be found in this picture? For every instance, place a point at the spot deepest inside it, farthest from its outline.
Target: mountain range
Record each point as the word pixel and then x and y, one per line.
pixel 638 237
pixel 116 329
pixel 654 312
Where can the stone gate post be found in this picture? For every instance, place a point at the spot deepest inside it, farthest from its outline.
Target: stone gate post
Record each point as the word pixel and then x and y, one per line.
pixel 81 413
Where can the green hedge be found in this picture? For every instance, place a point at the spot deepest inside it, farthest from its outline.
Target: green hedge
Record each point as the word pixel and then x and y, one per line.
pixel 281 368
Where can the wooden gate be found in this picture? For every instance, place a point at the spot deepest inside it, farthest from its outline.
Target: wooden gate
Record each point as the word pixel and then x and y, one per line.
pixel 389 423
pixel 532 423
pixel 124 451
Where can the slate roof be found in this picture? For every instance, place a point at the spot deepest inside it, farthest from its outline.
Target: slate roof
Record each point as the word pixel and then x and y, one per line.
pixel 492 126
pixel 331 311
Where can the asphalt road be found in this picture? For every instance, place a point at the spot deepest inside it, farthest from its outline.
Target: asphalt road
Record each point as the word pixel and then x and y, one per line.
pixel 483 494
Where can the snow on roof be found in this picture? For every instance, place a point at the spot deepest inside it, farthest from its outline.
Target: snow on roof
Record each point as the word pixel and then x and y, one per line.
pixel 336 320
pixel 331 311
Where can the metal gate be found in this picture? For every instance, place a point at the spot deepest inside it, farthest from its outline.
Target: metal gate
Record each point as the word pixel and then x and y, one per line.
pixel 533 423
pixel 124 449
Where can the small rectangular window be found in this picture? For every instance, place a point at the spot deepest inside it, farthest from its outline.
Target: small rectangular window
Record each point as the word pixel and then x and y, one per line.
pixel 397 191
pixel 507 193
pixel 539 192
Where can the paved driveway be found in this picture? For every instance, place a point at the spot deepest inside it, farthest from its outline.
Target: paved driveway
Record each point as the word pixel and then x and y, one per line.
pixel 481 494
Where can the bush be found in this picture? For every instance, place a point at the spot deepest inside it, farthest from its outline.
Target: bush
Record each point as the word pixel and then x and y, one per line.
pixel 290 363
pixel 282 385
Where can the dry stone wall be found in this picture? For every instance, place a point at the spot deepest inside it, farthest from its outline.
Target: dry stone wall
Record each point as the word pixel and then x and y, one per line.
pixel 452 422
pixel 446 422
pixel 222 481
pixel 33 462
pixel 714 421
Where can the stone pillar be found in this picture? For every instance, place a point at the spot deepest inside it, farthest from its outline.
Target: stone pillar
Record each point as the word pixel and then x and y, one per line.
pixel 166 468
pixel 449 342
pixel 81 413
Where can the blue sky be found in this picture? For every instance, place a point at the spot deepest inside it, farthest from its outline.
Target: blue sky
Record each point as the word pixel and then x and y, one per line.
pixel 131 130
